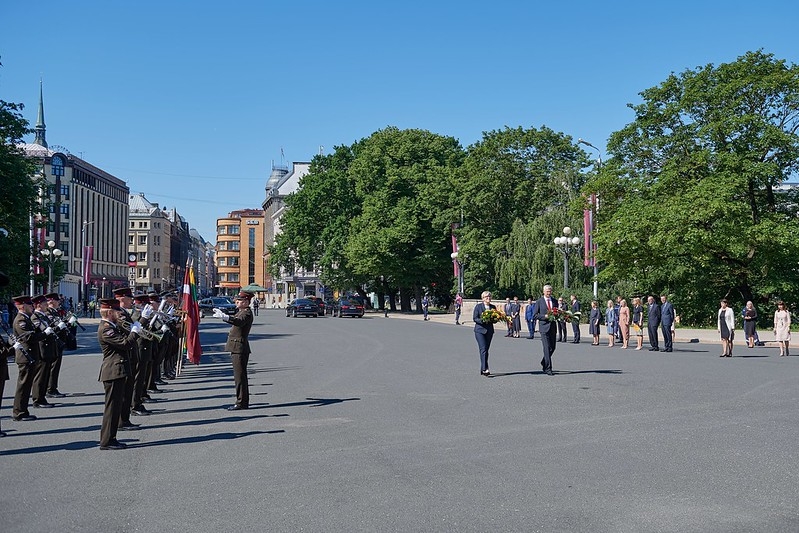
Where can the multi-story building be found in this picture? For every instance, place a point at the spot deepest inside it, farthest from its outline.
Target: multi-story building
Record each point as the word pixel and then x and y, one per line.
pixel 240 250
pixel 149 240
pixel 301 282
pixel 88 218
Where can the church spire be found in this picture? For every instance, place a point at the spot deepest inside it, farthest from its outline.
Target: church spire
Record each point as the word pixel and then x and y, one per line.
pixel 40 128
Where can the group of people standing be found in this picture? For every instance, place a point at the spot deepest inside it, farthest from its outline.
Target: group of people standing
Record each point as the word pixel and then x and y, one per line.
pixel 621 320
pixel 726 327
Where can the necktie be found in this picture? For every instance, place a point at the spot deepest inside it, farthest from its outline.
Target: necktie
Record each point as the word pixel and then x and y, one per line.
pixel 549 304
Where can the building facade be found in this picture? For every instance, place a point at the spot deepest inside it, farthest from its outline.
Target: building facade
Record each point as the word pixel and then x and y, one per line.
pixel 240 250
pixel 149 240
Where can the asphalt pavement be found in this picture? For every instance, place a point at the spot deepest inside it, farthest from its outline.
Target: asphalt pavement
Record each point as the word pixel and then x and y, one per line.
pixel 379 424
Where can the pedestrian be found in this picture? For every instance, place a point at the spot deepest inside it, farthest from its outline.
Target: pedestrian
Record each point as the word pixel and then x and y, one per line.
pixel 515 317
pixel 425 305
pixel 543 313
pixel 385 307
pixel 782 327
pixel 652 323
pixel 638 323
pixel 92 307
pixel 667 319
pixel 562 333
pixel 575 308
pixel 255 305
pixel 458 307
pixel 726 328
pixel 593 322
pixel 529 312
pixel 610 323
pixel 483 330
pixel 238 344
pixel 624 323
pixel 116 346
pixel 750 321
pixel 26 356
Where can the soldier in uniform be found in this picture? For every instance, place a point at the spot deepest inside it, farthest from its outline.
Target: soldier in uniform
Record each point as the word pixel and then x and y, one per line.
pixel 116 346
pixel 27 354
pixel 6 350
pixel 124 297
pixel 56 315
pixel 143 312
pixel 48 351
pixel 238 345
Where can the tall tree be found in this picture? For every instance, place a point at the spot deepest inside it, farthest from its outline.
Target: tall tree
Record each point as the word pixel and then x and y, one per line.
pixel 19 196
pixel 511 179
pixel 691 200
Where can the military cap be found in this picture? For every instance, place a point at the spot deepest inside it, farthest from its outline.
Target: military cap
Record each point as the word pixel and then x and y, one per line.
pixel 109 303
pixel 123 292
pixel 244 295
pixel 53 296
pixel 22 299
pixel 39 298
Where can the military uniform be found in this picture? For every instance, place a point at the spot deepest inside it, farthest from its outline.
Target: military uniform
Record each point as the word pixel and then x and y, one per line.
pixel 66 338
pixel 144 352
pixel 116 346
pixel 238 345
pixel 48 352
pixel 26 356
pixel 124 297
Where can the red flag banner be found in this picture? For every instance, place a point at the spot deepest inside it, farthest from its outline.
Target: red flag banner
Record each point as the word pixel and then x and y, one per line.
pixel 193 347
pixel 88 251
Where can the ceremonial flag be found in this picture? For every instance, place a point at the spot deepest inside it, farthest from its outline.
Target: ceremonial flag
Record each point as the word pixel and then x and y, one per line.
pixel 193 347
pixel 88 251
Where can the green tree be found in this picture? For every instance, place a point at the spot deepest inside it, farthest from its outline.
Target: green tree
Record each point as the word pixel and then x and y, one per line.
pixel 516 189
pixel 19 196
pixel 690 202
pixel 402 182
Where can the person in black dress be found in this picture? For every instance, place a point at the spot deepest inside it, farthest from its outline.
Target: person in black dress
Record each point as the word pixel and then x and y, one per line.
pixel 750 322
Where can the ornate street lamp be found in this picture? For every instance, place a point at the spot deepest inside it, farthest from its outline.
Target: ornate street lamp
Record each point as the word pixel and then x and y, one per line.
pixel 51 254
pixel 567 245
pixel 459 265
pixel 594 207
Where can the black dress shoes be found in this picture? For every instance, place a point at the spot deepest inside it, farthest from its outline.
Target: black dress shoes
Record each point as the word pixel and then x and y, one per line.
pixel 549 373
pixel 25 418
pixel 39 405
pixel 653 349
pixel 236 408
pixel 55 394
pixel 140 411
pixel 114 445
pixel 485 373
pixel 128 426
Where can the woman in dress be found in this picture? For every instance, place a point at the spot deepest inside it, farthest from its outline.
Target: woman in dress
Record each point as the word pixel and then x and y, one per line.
pixel 593 322
pixel 483 331
pixel 610 323
pixel 782 327
pixel 638 323
pixel 750 320
pixel 726 327
pixel 624 323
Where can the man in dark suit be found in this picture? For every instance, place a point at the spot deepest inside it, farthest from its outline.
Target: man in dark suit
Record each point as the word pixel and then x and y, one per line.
pixel 238 345
pixel 483 331
pixel 667 317
pixel 575 308
pixel 652 323
pixel 546 329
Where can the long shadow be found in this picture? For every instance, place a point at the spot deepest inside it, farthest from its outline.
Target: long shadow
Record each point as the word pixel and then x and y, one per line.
pixel 70 446
pixel 203 438
pixel 556 372
pixel 56 431
pixel 204 422
pixel 313 402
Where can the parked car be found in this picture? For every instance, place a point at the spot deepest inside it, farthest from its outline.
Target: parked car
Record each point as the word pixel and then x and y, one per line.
pixel 346 307
pixel 224 303
pixel 321 303
pixel 302 306
pixel 330 305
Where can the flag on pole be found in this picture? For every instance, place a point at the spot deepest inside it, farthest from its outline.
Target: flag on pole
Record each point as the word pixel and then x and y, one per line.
pixel 193 347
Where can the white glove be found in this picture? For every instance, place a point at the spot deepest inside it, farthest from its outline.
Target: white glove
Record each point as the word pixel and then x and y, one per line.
pixel 164 328
pixel 218 313
pixel 73 320
pixel 49 330
pixel 171 311
pixel 136 328
pixel 17 345
pixel 147 311
pixel 62 324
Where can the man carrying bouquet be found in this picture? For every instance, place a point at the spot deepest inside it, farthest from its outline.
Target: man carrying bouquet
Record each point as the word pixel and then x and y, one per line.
pixel 546 312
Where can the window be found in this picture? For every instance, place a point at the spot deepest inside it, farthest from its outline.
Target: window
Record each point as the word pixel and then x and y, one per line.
pixel 142 273
pixel 233 261
pixel 143 240
pixel 157 272
pixel 157 240
pixel 223 261
pixel 64 209
pixel 234 230
pixel 232 277
pixel 130 240
pixel 132 224
pixel 223 277
pixel 142 256
pixel 64 246
pixel 233 245
pixel 65 229
pixel 222 245
pixel 65 192
pixel 222 230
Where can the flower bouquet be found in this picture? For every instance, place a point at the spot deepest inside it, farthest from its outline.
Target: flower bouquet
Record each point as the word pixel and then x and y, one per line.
pixel 492 316
pixel 561 315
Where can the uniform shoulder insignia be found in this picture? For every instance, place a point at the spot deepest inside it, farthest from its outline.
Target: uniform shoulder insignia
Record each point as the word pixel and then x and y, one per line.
pixel 109 332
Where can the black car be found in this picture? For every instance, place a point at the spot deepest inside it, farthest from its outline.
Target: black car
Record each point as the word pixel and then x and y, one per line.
pixel 345 307
pixel 302 306
pixel 224 303
pixel 321 303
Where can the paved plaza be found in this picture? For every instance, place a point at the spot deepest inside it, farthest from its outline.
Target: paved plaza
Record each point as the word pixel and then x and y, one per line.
pixel 379 424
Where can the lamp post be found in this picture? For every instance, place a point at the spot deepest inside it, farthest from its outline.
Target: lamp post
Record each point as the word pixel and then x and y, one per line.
pixel 84 260
pixel 595 207
pixel 459 267
pixel 103 293
pixel 51 254
pixel 566 245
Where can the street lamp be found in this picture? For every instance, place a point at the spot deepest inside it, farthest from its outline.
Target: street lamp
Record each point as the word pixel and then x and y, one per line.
pixel 51 254
pixel 594 207
pixel 566 245
pixel 103 287
pixel 459 270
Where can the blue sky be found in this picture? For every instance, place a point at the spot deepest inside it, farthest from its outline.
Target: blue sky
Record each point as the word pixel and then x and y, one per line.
pixel 191 102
